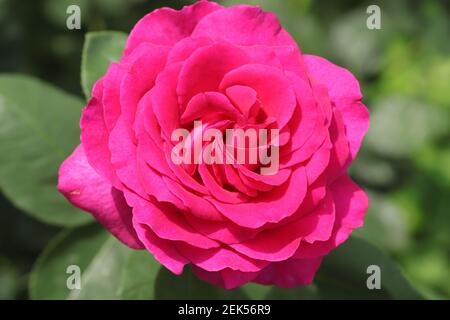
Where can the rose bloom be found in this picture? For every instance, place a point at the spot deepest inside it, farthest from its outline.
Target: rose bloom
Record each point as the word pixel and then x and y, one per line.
pixel 232 67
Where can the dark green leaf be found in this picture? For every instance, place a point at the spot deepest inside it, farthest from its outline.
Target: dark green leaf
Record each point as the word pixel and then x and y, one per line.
pixel 138 276
pixel 100 49
pixel 9 280
pixel 300 293
pixel 343 274
pixel 38 130
pixel 188 286
pixel 99 256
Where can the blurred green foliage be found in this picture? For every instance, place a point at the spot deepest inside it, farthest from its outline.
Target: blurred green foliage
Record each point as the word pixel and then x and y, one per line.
pixel 404 72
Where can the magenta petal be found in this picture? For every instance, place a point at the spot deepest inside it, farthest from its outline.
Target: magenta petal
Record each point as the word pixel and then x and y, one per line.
pixel 244 25
pixel 183 49
pixel 205 104
pixel 344 91
pixel 235 180
pixel 184 177
pixel 319 161
pixel 163 250
pixel 306 151
pixel 340 154
pixel 167 26
pixel 217 259
pixel 123 157
pixel 216 190
pixel 306 116
pixel 164 100
pixel 147 65
pixel 269 208
pixel 290 273
pixel 166 222
pixel 198 206
pixel 154 184
pixel 351 204
pixel 243 97
pixel 281 243
pixel 149 150
pixel 272 87
pixel 276 179
pixel 285 57
pixel 111 94
pixel 85 189
pixel 226 278
pixel 206 67
pixel 223 231
pixel 341 84
pixel 356 121
pixel 94 136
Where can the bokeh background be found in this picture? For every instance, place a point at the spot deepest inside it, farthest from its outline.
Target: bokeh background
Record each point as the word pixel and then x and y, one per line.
pixel 404 71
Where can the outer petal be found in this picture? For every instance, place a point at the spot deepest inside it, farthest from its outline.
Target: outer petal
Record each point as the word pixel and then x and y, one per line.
pixel 85 189
pixel 226 278
pixel 163 250
pixel 244 25
pixel 216 259
pixel 94 136
pixel 351 204
pixel 167 26
pixel 290 273
pixel 281 243
pixel 345 93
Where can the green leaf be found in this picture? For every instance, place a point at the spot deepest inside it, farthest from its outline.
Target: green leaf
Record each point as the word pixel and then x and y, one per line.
pixel 256 291
pixel 261 292
pixel 188 286
pixel 99 256
pixel 99 50
pixel 343 274
pixel 300 293
pixel 38 130
pixel 138 276
pixel 9 280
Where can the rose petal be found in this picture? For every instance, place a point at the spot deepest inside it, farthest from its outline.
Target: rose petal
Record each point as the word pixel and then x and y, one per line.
pixel 272 87
pixel 290 273
pixel 85 189
pixel 226 278
pixel 94 136
pixel 167 26
pixel 166 222
pixel 269 208
pixel 345 92
pixel 351 204
pixel 282 242
pixel 163 250
pixel 260 27
pixel 205 68
pixel 217 259
pixel 207 103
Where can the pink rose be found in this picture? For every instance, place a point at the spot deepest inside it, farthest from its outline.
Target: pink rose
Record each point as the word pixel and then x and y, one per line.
pixel 230 68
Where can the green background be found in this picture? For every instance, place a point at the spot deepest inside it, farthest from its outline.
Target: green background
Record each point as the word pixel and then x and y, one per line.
pixel 404 163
